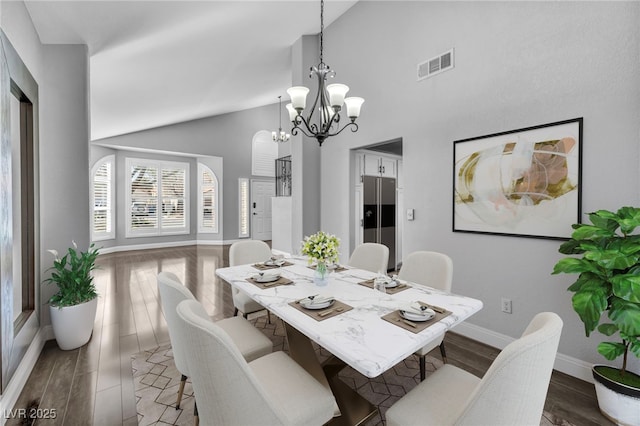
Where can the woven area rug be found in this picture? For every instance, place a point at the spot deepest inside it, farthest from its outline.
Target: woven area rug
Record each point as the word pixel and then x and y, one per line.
pixel 156 382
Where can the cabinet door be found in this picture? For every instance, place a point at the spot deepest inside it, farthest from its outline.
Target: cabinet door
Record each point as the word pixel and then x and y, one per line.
pixel 371 165
pixel 388 168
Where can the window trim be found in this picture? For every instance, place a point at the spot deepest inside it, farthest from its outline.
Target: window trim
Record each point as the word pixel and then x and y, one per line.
pixel 158 231
pixel 202 168
pixel 111 217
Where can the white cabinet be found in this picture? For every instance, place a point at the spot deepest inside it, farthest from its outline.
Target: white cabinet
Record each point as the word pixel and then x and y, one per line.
pixel 388 167
pixel 375 165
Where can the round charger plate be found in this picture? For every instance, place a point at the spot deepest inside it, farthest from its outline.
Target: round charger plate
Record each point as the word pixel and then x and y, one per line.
pixel 308 304
pixel 267 278
pixel 417 317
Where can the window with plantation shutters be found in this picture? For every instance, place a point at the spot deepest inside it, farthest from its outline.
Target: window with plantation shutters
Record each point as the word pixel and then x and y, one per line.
pixel 102 217
pixel 208 200
pixel 243 207
pixel 157 197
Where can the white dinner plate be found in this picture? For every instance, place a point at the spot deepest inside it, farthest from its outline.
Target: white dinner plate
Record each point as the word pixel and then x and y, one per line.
pixel 391 284
pixel 429 314
pixel 266 278
pixel 309 304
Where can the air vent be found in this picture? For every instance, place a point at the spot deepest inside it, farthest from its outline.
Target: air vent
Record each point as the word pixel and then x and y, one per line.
pixel 435 65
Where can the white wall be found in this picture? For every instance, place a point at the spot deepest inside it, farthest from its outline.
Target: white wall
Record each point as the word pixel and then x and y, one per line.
pixel 516 65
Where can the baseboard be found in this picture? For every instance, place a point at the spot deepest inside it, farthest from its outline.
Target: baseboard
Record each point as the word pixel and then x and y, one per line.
pixel 564 363
pixel 20 377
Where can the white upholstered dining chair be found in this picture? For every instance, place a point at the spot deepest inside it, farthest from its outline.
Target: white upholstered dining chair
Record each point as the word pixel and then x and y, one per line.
pixel 272 390
pixel 372 257
pixel 512 392
pixel 431 269
pixel 240 253
pixel 251 342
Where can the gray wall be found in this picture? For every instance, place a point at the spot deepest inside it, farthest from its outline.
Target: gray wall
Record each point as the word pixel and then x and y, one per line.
pixel 228 136
pixel 516 65
pixel 64 153
pixel 62 200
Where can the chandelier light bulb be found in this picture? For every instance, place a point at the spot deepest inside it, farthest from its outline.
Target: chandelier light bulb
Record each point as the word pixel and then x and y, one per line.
pixel 337 92
pixel 353 107
pixel 292 112
pixel 298 95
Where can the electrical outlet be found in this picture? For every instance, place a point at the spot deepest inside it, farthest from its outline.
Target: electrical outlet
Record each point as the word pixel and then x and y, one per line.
pixel 506 305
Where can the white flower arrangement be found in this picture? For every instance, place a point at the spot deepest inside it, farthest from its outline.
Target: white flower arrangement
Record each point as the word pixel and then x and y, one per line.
pixel 321 247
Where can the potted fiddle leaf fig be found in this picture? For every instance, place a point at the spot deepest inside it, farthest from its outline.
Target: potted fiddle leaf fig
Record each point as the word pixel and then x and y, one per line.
pixel 606 256
pixel 73 307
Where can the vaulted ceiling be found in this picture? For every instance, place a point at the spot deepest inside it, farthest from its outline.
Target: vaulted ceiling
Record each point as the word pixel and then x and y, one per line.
pixel 154 63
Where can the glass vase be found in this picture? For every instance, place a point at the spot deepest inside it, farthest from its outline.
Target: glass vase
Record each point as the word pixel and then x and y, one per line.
pixel 321 276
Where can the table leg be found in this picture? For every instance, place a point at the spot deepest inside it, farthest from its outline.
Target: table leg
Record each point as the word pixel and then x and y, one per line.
pixel 353 408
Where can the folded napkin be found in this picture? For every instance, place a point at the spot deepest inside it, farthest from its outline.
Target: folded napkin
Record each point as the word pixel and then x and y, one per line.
pixel 268 275
pixel 418 309
pixel 312 300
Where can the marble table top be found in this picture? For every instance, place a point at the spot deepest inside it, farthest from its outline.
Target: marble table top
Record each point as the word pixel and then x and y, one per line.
pixel 359 337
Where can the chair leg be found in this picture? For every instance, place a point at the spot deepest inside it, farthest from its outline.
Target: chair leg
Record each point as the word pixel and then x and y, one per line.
pixel 268 316
pixel 443 353
pixel 235 312
pixel 183 380
pixel 423 372
pixel 196 418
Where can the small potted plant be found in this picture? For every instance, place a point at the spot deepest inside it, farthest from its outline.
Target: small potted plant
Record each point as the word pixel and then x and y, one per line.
pixel 73 307
pixel 323 248
pixel 608 265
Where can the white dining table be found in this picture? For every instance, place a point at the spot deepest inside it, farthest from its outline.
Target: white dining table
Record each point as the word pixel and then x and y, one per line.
pixel 358 337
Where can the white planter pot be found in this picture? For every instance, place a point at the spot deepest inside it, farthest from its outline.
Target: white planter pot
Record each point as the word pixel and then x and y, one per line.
pixel 72 325
pixel 618 402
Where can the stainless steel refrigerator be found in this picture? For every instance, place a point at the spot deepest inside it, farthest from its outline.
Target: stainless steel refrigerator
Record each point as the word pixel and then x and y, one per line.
pixel 379 218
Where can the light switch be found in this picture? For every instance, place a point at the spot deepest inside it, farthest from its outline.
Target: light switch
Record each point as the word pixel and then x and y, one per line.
pixel 409 214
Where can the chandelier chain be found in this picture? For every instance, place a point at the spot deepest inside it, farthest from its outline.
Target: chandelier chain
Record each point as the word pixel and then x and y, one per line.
pixel 321 29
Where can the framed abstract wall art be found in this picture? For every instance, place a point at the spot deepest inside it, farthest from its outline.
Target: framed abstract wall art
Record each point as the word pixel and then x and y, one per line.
pixel 524 182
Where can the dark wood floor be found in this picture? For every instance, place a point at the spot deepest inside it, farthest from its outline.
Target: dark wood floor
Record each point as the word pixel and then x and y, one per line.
pixel 94 385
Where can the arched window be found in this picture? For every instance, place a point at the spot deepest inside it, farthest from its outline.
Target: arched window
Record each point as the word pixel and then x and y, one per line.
pixel 263 154
pixel 207 200
pixel 102 196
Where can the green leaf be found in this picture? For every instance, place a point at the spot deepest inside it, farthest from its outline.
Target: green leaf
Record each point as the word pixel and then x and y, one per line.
pixel 589 305
pixel 589 232
pixel 629 219
pixel 605 220
pixel 612 259
pixel 626 315
pixel 611 350
pixel 572 265
pixel 627 287
pixel 588 281
pixel 571 247
pixel 608 329
pixel 634 347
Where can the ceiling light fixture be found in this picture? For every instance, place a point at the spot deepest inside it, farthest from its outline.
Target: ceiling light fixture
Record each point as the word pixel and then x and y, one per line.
pixel 329 100
pixel 280 135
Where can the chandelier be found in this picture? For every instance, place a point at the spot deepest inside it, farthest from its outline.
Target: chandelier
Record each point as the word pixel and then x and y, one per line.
pixel 280 135
pixel 328 102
